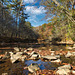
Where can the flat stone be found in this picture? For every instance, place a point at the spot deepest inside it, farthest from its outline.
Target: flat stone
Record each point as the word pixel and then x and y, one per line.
pixel 63 71
pixel 49 57
pixel 65 67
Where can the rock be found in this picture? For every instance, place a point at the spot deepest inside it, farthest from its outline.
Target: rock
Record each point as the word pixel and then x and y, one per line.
pixel 22 58
pixel 49 57
pixel 52 53
pixel 16 49
pixel 4 73
pixel 49 49
pixel 73 72
pixel 34 55
pixel 33 52
pixel 19 53
pixel 70 48
pixel 68 54
pixel 57 61
pixel 63 71
pixel 30 49
pixel 65 67
pixel 0 57
pixel 74 46
pixel 5 56
pixel 33 67
pixel 73 53
pixel 57 56
pixel 15 57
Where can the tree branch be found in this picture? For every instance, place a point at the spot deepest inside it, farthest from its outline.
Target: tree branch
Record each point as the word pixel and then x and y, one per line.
pixel 58 4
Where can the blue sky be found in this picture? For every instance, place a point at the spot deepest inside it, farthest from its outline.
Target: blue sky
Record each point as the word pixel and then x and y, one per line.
pixel 36 12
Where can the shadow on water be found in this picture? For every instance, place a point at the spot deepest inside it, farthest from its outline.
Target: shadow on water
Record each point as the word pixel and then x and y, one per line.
pixel 42 65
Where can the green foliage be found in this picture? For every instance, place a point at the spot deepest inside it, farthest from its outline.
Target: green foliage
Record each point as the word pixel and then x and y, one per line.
pixel 63 17
pixel 15 27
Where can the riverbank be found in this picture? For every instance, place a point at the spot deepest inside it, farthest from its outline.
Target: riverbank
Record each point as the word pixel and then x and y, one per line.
pixel 17 68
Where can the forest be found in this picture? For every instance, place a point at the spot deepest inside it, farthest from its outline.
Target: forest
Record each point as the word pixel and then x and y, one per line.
pixel 37 37
pixel 62 23
pixel 14 27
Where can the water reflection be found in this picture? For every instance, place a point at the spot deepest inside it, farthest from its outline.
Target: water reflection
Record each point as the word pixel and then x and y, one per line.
pixel 42 65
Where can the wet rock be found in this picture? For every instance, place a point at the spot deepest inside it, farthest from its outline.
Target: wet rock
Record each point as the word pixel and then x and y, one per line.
pixel 33 67
pixel 63 71
pixel 16 49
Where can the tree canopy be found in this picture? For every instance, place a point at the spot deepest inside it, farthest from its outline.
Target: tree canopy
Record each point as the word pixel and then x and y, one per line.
pixel 62 16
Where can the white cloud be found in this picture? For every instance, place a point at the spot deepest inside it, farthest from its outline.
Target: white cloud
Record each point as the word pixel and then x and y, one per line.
pixel 34 10
pixel 29 1
pixel 33 18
